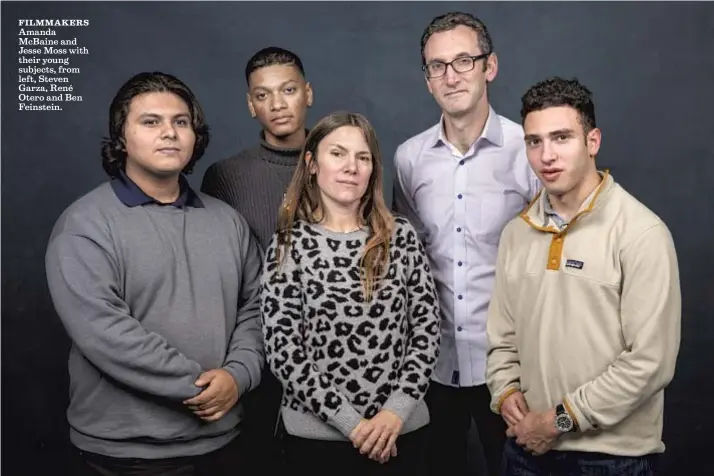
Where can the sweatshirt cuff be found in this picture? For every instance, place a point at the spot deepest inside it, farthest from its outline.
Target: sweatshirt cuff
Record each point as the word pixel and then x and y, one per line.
pixel 241 376
pixel 400 404
pixel 579 418
pixel 498 400
pixel 347 419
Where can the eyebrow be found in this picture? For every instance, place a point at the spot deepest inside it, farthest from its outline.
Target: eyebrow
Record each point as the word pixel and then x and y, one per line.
pixel 458 55
pixel 283 84
pixel 155 115
pixel 558 132
pixel 343 149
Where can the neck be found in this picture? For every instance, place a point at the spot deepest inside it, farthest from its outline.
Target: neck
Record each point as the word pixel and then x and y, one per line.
pixel 340 220
pixel 568 204
pixel 163 189
pixel 293 141
pixel 462 131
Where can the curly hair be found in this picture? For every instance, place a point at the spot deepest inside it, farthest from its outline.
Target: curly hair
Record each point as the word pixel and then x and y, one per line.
pixel 114 148
pixel 555 92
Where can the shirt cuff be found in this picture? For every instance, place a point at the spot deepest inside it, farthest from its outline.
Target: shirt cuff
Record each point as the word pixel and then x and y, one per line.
pixel 400 404
pixel 499 399
pixel 347 419
pixel 579 418
pixel 240 375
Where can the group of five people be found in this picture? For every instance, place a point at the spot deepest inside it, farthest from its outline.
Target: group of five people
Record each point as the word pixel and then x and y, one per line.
pixel 283 318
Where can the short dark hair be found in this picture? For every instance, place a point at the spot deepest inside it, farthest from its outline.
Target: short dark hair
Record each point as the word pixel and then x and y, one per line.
pixel 555 92
pixel 114 147
pixel 451 20
pixel 270 56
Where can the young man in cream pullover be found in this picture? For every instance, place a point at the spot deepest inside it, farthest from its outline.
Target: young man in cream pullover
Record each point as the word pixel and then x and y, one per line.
pixel 584 321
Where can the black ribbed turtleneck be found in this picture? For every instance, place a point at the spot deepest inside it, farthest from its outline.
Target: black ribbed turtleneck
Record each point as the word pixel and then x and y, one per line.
pixel 254 182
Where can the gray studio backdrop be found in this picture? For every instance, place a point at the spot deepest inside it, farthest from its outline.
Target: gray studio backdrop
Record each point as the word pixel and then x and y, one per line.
pixel 650 65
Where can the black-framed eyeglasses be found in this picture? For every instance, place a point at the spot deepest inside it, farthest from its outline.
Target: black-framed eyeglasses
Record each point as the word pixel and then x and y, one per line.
pixel 462 64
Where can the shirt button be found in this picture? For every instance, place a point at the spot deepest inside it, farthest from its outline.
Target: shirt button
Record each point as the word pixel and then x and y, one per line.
pixel 460 263
pixel 458 229
pixel 461 162
pixel 460 196
pixel 460 296
pixel 459 328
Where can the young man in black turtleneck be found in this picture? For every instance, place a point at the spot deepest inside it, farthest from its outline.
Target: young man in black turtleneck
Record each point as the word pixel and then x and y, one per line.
pixel 254 182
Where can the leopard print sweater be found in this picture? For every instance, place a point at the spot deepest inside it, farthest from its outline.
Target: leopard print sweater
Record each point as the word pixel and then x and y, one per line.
pixel 338 357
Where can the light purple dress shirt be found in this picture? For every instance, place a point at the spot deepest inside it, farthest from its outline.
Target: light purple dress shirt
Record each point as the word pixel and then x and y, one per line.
pixel 459 204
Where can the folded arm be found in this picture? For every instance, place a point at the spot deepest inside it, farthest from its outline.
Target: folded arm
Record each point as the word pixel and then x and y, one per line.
pixel 83 281
pixel 650 309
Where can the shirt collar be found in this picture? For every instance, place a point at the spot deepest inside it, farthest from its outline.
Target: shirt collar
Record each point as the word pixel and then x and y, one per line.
pixel 549 213
pixel 492 131
pixel 131 195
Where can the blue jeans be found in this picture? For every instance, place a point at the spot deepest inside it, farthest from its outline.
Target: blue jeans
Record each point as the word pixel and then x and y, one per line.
pixel 518 462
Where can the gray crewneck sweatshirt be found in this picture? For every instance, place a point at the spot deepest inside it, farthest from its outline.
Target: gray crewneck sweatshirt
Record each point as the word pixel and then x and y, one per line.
pixel 151 297
pixel 339 358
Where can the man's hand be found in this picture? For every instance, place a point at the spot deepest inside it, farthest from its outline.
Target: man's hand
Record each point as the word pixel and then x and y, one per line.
pixel 377 437
pixel 514 408
pixel 536 432
pixel 216 399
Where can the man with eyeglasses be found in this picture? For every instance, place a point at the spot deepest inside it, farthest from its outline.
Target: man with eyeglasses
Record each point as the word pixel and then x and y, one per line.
pixel 460 182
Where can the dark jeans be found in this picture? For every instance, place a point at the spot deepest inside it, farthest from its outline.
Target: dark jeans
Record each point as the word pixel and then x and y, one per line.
pixel 451 410
pixel 329 458
pixel 222 462
pixel 261 409
pixel 518 462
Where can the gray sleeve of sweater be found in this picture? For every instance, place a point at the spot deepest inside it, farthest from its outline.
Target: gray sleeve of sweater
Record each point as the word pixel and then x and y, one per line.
pixel 424 316
pixel 246 354
pixel 83 279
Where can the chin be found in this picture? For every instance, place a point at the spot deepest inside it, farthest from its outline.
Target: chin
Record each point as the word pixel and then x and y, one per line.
pixel 168 170
pixel 167 173
pixel 283 131
pixel 457 110
pixel 556 190
pixel 348 202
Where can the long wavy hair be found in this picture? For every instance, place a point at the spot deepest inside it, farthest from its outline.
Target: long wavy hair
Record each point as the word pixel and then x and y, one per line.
pixel 303 201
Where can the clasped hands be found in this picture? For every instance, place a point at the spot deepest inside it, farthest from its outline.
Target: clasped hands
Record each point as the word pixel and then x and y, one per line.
pixel 219 396
pixel 534 431
pixel 377 437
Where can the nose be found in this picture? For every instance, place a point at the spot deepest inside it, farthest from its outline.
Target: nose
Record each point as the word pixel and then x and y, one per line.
pixel 451 76
pixel 169 132
pixel 277 103
pixel 351 165
pixel 549 153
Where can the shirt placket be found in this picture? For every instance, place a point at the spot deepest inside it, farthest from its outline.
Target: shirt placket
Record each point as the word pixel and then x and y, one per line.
pixel 460 265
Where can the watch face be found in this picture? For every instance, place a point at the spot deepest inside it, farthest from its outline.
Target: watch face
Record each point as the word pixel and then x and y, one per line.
pixel 563 423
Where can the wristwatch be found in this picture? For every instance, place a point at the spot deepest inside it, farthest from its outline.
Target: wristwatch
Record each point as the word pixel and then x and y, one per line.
pixel 563 421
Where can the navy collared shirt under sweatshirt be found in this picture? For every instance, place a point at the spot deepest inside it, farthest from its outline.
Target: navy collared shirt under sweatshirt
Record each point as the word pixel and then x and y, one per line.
pixel 132 196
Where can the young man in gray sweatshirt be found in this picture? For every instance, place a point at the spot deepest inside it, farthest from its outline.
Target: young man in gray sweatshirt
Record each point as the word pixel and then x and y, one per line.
pixel 157 286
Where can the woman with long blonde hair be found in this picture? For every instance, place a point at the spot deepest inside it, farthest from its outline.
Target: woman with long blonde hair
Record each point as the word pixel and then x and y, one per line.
pixel 350 313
